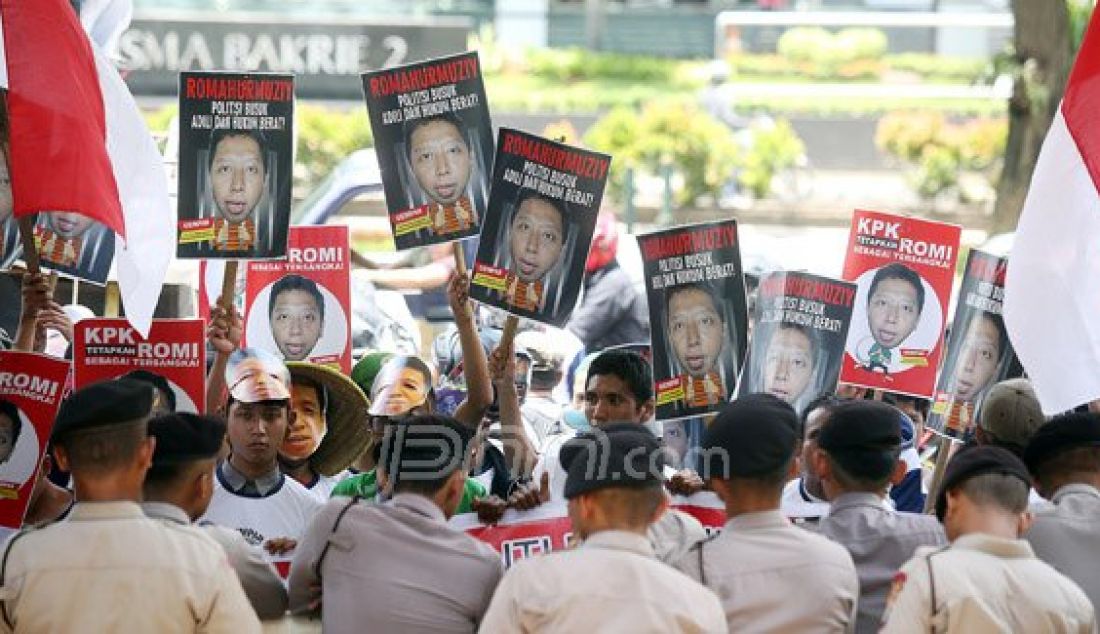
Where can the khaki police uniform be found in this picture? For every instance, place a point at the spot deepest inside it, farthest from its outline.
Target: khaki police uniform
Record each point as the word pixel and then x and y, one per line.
pixel 392 567
pixel 109 568
pixel 772 576
pixel 261 582
pixel 880 540
pixel 1067 536
pixel 982 583
pixel 610 583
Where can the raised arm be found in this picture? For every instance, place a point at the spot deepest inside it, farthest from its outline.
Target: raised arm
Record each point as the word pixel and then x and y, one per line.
pixel 479 389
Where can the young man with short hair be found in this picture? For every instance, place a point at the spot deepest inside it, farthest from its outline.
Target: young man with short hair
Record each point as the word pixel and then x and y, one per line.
pixel 612 582
pixel 1064 458
pixel 620 389
pixel 178 488
pixel 771 575
pixel 251 494
pixel 987 579
pixel 82 574
pixel 857 458
pixel 396 565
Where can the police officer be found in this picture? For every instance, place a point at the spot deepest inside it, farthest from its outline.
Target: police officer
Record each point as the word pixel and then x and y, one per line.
pixel 771 575
pixel 613 582
pixel 1064 457
pixel 396 566
pixel 988 579
pixel 81 574
pixel 858 455
pixel 178 488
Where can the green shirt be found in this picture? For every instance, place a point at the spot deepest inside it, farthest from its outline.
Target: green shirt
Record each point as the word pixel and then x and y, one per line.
pixel 365 485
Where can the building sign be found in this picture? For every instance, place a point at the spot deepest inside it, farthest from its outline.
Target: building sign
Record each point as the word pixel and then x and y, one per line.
pixel 327 57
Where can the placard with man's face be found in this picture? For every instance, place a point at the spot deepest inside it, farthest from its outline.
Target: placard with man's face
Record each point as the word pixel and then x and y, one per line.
pixel 697 314
pixel 799 331
pixel 300 308
pixel 538 229
pixel 904 269
pixel 434 141
pixel 235 164
pixel 979 353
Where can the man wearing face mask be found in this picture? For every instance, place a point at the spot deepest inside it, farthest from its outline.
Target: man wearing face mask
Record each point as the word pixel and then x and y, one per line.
pixel 329 428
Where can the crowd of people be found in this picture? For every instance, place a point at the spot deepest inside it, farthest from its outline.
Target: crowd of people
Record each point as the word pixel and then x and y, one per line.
pixel 307 492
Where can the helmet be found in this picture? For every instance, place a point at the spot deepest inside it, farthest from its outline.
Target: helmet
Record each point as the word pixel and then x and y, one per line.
pixel 605 243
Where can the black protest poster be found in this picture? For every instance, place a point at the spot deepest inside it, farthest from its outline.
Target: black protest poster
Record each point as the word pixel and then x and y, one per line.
pixel 434 141
pixel 798 336
pixel 235 165
pixel 698 316
pixel 538 228
pixel 979 353
pixel 74 245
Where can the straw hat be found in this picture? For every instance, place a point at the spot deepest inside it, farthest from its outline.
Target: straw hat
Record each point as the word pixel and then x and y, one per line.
pixel 348 434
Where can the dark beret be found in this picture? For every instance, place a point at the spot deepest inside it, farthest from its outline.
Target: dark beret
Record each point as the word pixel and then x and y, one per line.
pixel 753 436
pixel 861 426
pixel 423 447
pixel 971 462
pixel 615 455
pixel 185 437
pixel 103 404
pixel 1069 431
pixel 156 381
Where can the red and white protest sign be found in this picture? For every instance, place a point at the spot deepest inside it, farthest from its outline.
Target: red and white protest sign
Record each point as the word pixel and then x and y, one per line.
pixel 904 269
pixel 523 534
pixel 300 308
pixel 31 388
pixel 175 349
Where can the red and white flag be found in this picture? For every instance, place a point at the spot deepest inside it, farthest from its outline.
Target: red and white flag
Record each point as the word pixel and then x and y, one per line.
pixel 1052 287
pixel 79 143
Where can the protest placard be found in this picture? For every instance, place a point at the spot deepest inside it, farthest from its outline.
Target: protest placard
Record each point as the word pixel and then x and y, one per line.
pixel 434 141
pixel 73 245
pixel 904 269
pixel 698 316
pixel 175 351
pixel 537 231
pixel 235 164
pixel 979 353
pixel 31 388
pixel 300 308
pixel 798 336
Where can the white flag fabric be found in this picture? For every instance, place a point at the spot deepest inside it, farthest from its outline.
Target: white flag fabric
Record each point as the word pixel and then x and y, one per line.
pixel 1052 287
pixel 141 261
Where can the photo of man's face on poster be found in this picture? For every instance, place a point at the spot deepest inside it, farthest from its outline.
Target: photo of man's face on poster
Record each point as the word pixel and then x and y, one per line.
pixel 896 311
pixel 296 309
pixel 536 240
pixel 980 357
pixel 700 352
pixel 299 319
pixel 18 447
pixel 441 162
pixel 790 359
pixel 237 164
pixel 696 329
pixel 237 173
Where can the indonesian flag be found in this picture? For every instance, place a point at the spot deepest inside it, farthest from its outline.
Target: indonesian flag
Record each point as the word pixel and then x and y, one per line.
pixel 78 143
pixel 1052 287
